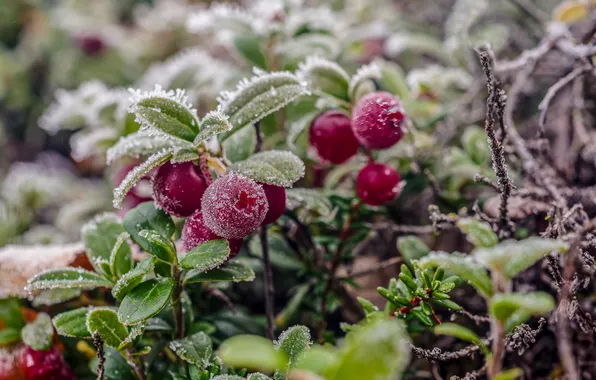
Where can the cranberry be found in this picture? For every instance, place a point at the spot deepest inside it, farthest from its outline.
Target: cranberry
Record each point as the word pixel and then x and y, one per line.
pixel 44 365
pixel 377 184
pixel 332 137
pixel 140 193
pixel 276 199
pixel 378 120
pixel 91 45
pixel 196 232
pixel 9 366
pixel 234 206
pixel 178 188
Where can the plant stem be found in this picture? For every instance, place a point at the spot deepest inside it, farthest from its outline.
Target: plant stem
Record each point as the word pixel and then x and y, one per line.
pixel 101 358
pixel 136 364
pixel 500 285
pixel 176 301
pixel 268 279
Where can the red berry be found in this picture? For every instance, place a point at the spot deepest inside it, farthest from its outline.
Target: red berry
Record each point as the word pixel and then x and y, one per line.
pixel 234 206
pixel 91 45
pixel 378 120
pixel 44 365
pixel 377 184
pixel 404 310
pixel 9 366
pixel 196 232
pixel 276 199
pixel 178 188
pixel 332 137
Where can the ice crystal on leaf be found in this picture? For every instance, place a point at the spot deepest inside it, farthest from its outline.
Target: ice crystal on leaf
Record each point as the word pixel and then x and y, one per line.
pixel 142 144
pixel 213 123
pixel 179 96
pixel 279 168
pixel 324 76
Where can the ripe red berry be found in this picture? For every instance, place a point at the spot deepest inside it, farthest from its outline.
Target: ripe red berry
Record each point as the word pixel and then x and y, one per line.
pixel 178 188
pixel 9 365
pixel 196 232
pixel 379 121
pixel 234 206
pixel 276 199
pixel 332 137
pixel 91 45
pixel 377 184
pixel 44 365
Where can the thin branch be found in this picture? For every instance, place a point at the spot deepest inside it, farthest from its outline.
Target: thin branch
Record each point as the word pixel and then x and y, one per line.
pixel 101 357
pixel 436 354
pixel 268 279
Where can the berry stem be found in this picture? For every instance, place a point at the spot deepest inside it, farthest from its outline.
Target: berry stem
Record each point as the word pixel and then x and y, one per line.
pixel 268 279
pixel 176 304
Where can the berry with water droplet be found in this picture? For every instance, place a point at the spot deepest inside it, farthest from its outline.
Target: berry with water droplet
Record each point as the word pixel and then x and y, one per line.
pixel 196 232
pixel 178 188
pixel 276 199
pixel 332 137
pixel 234 206
pixel 378 184
pixel 378 120
pixel 44 365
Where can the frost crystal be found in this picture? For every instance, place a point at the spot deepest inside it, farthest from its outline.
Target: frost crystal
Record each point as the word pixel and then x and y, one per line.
pixel 178 95
pixel 144 143
pixel 226 16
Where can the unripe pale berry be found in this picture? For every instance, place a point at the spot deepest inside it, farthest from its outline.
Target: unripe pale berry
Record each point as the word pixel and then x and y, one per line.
pixel 44 365
pixel 378 120
pixel 196 232
pixel 332 137
pixel 377 184
pixel 276 199
pixel 178 188
pixel 234 206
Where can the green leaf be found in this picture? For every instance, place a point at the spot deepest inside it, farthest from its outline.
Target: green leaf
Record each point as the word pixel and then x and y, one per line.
pixel 234 271
pixel 398 301
pixel 9 335
pixel 134 334
pixel 320 360
pixel 121 256
pixel 478 233
pixel 461 266
pixel 512 257
pixel 213 123
pixel 241 144
pixel 100 235
pixel 502 306
pixel 292 306
pixel 147 217
pixel 393 79
pixel 253 352
pixel 324 77
pixel 51 297
pixel 279 168
pixel 411 247
pixel 475 144
pixel 206 256
pixel 38 334
pixel 294 342
pixel 145 300
pixel 157 324
pixel 310 199
pixel 195 349
pixel 162 248
pixel 368 306
pixel 280 254
pixel 67 277
pixel 257 376
pixel 228 377
pixel 168 116
pixel 460 332
pixel 422 317
pixel 258 97
pixel 249 47
pixel 105 322
pixel 447 303
pixel 509 374
pixel 360 84
pixel 116 367
pixel 73 323
pixel 131 279
pixel 143 144
pixel 10 313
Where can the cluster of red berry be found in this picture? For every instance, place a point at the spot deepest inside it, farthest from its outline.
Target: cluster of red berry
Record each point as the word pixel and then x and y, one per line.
pixel 378 122
pixel 25 363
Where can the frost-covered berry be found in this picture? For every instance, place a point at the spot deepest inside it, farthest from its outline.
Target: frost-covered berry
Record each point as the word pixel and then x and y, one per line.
pixel 196 232
pixel 378 184
pixel 234 206
pixel 378 120
pixel 276 199
pixel 178 188
pixel 332 137
pixel 44 365
pixel 9 365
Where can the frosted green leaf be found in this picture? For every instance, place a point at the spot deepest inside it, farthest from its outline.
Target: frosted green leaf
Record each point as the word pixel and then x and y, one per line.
pixel 320 360
pixel 67 277
pixel 460 332
pixel 412 248
pixel 137 173
pixel 475 144
pixel 234 271
pixel 258 97
pixel 418 43
pixel 148 217
pixel 297 138
pixel 393 79
pixel 163 249
pixel 310 199
pixel 38 334
pixel 105 322
pixel 279 168
pixel 73 323
pixel 502 306
pixel 253 352
pixel 195 349
pixel 461 266
pixel 143 144
pixel 131 279
pixel 121 256
pixel 100 235
pixel 206 256
pixel 258 376
pixel 249 47
pixel 509 374
pixel 157 324
pixel 324 77
pixel 213 123
pixel 145 300
pixel 228 377
pixel 358 84
pixel 184 155
pixel 241 144
pixel 513 257
pixel 134 333
pixel 478 233
pixel 50 297
pixel 294 342
pixel 311 44
pixel 230 17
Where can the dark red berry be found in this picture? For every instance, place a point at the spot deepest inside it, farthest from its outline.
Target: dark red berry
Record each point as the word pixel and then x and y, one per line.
pixel 377 184
pixel 178 188
pixel 234 206
pixel 404 310
pixel 378 120
pixel 415 301
pixel 276 199
pixel 91 45
pixel 196 232
pixel 332 138
pixel 44 365
pixel 9 363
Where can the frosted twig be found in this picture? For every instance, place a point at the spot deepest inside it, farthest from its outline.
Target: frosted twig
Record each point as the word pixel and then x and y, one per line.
pixel 101 357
